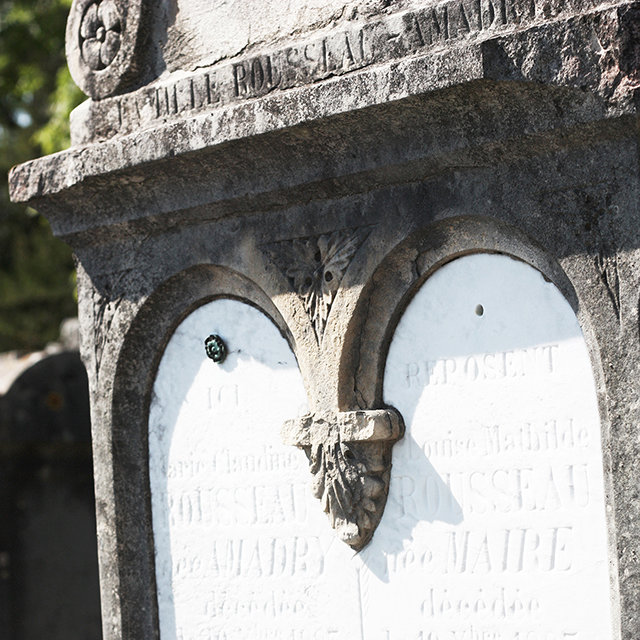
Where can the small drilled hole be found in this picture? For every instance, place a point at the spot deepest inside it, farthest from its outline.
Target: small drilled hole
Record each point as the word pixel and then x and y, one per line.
pixel 54 401
pixel 479 310
pixel 349 455
pixel 328 276
pixel 308 281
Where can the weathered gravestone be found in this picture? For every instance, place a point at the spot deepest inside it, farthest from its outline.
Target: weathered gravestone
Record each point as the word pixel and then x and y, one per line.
pixel 372 259
pixel 49 583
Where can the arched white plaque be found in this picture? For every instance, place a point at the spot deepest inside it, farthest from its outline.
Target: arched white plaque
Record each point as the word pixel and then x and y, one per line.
pixel 495 524
pixel 242 549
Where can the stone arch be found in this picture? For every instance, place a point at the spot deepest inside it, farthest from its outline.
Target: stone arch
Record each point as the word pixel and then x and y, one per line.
pixel 401 273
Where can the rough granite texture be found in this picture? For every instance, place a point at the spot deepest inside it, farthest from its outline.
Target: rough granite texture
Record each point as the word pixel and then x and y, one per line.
pixel 414 133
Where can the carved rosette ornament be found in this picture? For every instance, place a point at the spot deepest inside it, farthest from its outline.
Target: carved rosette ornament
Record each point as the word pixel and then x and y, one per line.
pixel 104 44
pixel 350 460
pixel 100 34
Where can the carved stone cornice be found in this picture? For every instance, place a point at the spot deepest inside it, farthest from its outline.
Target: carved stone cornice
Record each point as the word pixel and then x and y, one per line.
pixel 350 460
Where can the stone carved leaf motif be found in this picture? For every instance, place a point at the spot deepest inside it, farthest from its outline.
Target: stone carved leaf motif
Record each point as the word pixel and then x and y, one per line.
pixel 350 462
pixel 608 270
pixel 348 488
pixel 603 242
pixel 316 266
pixel 107 298
pixel 104 312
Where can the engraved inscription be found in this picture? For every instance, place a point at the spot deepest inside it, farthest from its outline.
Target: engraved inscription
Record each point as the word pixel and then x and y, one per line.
pixel 495 523
pixel 227 461
pixel 491 552
pixel 393 37
pixel 241 549
pixel 532 436
pixel 262 558
pixel 488 366
pixel 257 505
pixel 254 77
pixel 487 603
pixel 501 490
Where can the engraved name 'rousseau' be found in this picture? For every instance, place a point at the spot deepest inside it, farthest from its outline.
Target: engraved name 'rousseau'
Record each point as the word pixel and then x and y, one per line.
pixel 502 490
pixel 239 505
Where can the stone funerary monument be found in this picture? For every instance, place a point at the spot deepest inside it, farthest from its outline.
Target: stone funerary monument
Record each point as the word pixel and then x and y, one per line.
pixel 358 286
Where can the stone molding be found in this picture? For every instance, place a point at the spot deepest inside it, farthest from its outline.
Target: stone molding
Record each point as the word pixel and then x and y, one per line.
pixel 448 27
pixel 505 57
pixel 519 139
pixel 328 433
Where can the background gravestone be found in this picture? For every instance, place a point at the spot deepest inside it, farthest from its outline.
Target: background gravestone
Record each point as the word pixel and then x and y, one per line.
pixel 49 583
pixel 418 220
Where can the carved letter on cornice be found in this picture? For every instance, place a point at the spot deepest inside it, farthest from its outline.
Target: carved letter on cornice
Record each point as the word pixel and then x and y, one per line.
pixel 104 45
pixel 350 460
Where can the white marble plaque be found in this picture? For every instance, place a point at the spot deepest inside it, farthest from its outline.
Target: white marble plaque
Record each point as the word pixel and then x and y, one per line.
pixel 242 548
pixel 495 525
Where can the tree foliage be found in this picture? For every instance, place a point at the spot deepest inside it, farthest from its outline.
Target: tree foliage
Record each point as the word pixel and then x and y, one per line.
pixel 37 279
